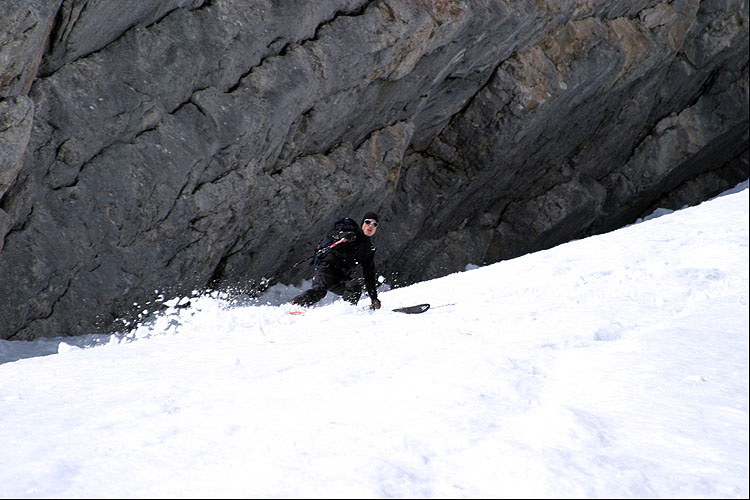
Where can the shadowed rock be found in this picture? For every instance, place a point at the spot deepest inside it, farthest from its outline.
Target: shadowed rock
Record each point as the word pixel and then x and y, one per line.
pixel 149 149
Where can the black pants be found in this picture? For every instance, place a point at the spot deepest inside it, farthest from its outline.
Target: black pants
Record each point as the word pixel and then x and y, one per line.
pixel 336 280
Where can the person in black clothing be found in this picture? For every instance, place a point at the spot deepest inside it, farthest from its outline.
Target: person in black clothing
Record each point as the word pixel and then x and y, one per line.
pixel 349 245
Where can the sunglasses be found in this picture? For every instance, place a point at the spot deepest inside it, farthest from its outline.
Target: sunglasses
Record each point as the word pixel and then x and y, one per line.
pixel 371 222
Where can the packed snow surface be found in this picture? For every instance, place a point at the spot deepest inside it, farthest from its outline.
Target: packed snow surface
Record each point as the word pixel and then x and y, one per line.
pixel 612 366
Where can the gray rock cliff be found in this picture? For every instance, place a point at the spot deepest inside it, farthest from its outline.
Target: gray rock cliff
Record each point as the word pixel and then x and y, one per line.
pixel 149 149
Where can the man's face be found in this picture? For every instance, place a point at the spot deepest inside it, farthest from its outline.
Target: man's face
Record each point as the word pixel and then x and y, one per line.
pixel 369 226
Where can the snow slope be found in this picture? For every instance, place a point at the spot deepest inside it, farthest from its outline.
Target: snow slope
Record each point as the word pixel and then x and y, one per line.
pixel 614 366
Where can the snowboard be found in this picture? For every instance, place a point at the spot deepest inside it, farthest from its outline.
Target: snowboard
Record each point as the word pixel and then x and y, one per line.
pixel 417 309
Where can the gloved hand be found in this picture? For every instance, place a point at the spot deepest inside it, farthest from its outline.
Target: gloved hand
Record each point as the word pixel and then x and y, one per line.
pixel 375 304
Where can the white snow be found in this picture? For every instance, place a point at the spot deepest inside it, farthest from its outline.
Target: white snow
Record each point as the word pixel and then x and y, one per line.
pixel 614 366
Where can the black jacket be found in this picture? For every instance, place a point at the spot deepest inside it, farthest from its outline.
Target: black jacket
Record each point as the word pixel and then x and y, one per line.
pixel 345 256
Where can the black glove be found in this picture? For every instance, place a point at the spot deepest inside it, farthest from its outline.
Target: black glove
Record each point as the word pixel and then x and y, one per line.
pixel 375 304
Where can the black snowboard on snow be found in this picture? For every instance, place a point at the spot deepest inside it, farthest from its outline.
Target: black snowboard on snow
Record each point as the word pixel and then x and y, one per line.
pixel 419 308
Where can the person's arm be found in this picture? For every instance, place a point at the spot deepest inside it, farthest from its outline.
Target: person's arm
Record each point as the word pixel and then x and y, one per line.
pixel 368 270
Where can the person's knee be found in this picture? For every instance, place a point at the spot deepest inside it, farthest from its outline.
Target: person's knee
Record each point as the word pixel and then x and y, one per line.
pixel 309 297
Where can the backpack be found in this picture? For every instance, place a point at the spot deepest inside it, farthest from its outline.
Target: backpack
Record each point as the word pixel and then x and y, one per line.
pixel 341 225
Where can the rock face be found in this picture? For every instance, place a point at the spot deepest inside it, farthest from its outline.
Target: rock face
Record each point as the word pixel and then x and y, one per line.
pixel 154 148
